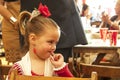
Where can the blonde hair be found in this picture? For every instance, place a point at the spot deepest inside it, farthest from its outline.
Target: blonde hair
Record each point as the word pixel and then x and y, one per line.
pixel 36 25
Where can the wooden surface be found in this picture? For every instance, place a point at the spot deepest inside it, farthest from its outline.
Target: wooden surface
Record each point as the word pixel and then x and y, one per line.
pixel 104 71
pixel 15 76
pixel 4 69
pixel 96 47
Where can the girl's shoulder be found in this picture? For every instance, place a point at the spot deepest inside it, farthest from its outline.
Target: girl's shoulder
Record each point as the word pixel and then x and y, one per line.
pixel 17 67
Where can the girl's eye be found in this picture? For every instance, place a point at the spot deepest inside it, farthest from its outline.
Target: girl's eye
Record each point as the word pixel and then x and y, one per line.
pixel 50 42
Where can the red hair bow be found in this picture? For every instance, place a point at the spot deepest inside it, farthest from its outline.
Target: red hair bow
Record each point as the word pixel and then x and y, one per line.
pixel 44 10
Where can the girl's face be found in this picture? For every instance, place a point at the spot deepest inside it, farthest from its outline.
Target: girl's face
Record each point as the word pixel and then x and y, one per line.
pixel 45 45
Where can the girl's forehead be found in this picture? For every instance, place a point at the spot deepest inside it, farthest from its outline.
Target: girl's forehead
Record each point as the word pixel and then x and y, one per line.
pixel 50 34
pixel 52 28
pixel 48 31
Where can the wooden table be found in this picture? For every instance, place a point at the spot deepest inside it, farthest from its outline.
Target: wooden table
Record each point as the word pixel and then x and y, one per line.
pixel 97 46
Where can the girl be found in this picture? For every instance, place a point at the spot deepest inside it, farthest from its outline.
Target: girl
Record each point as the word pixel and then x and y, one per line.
pixel 41 35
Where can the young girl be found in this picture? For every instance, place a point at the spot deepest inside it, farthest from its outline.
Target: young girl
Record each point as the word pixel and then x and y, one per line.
pixel 41 35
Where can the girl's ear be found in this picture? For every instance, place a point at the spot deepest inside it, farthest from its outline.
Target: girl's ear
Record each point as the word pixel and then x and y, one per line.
pixel 32 38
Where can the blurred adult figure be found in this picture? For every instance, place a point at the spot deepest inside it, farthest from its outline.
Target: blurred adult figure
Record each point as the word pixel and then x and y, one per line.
pixel 86 16
pixel 114 21
pixel 86 11
pixel 9 9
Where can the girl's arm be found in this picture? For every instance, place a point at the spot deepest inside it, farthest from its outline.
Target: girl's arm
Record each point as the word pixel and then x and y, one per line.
pixel 16 67
pixel 64 72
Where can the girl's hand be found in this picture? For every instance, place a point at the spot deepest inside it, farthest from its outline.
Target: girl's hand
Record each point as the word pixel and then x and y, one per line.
pixel 57 60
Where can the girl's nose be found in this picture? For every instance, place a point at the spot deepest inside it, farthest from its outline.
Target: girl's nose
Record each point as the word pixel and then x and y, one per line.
pixel 54 47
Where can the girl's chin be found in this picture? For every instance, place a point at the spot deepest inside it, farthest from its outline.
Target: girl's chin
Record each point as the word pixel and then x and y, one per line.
pixel 46 57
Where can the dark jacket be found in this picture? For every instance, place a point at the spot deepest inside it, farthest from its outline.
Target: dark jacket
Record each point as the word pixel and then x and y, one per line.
pixel 64 12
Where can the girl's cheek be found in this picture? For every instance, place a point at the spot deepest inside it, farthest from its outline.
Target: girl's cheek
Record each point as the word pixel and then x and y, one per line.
pixel 34 50
pixel 48 47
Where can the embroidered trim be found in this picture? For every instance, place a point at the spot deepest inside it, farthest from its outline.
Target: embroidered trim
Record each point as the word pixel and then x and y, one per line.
pixel 59 68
